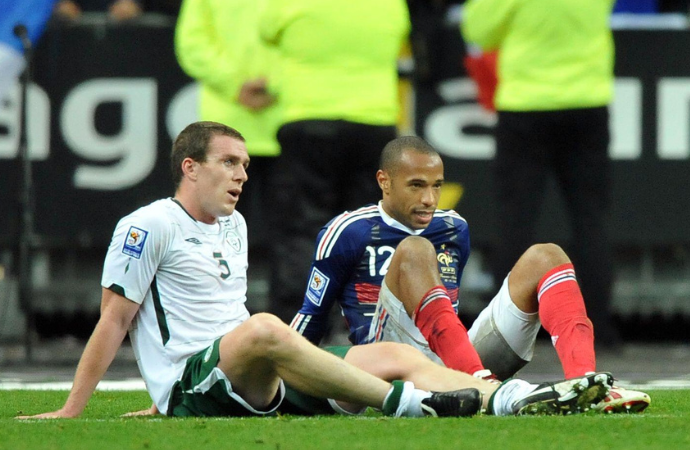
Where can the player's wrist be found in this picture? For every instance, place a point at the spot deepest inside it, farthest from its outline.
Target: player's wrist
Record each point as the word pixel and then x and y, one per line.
pixel 69 413
pixel 72 408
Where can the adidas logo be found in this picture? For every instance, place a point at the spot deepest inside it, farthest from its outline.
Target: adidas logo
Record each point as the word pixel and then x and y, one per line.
pixel 194 241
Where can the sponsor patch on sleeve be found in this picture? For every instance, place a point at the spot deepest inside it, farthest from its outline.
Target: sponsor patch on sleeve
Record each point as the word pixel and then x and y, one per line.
pixel 318 282
pixel 134 242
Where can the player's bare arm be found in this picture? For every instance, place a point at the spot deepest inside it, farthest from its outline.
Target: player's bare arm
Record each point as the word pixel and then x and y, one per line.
pixel 117 313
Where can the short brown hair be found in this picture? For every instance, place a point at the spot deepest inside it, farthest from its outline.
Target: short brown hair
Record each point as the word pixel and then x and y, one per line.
pixel 193 141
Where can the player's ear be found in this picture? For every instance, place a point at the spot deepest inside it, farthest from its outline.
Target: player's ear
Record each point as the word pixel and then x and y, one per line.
pixel 189 168
pixel 384 180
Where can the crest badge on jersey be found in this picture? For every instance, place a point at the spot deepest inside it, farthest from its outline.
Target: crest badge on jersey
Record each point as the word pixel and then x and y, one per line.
pixel 234 240
pixel 134 242
pixel 318 282
pixel 447 267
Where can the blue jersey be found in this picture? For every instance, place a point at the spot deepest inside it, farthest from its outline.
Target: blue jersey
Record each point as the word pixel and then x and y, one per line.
pixel 352 256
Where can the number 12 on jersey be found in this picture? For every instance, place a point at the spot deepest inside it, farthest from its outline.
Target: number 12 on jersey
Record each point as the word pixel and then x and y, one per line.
pixel 372 252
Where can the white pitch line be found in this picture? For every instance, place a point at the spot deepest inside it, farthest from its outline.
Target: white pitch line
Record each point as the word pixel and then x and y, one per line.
pixel 669 384
pixel 132 384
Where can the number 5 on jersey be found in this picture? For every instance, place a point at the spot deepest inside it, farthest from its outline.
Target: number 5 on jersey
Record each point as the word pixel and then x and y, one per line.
pixel 224 267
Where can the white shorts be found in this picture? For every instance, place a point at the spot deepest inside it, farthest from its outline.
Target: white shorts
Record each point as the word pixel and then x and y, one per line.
pixel 392 324
pixel 503 335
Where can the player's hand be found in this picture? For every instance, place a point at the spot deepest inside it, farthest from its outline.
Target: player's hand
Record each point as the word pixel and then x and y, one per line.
pixel 254 95
pixel 152 411
pixel 59 414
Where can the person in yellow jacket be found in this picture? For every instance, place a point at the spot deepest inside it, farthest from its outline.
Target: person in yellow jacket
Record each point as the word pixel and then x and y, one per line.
pixel 338 89
pixel 555 81
pixel 217 44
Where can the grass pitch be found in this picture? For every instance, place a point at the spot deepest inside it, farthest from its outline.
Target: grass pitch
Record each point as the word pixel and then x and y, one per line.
pixel 665 425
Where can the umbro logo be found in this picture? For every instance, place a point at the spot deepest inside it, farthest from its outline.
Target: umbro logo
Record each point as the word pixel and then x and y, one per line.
pixel 194 241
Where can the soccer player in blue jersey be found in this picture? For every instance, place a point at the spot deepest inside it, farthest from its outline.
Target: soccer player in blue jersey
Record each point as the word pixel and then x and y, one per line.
pixel 395 269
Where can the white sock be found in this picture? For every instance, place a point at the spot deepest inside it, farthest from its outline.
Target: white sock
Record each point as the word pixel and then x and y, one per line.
pixel 411 401
pixel 510 392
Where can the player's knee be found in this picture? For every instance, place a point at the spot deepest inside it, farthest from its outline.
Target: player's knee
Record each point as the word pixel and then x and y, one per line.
pixel 413 250
pixel 407 358
pixel 544 257
pixel 399 352
pixel 267 332
pixel 396 361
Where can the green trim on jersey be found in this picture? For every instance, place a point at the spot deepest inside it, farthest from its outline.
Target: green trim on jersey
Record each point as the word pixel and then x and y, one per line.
pixel 119 290
pixel 183 208
pixel 160 312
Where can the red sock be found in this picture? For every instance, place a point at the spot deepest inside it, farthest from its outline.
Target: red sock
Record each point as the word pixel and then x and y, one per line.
pixel 562 313
pixel 446 335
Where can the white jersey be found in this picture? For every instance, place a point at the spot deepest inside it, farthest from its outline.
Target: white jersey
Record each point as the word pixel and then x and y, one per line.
pixel 190 279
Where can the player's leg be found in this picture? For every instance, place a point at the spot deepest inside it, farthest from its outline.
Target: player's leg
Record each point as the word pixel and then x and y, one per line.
pixel 262 351
pixel 390 360
pixel 414 282
pixel 542 286
pixel 395 361
pixel 205 390
pixel 460 397
pixel 543 281
pixel 413 271
pixel 504 335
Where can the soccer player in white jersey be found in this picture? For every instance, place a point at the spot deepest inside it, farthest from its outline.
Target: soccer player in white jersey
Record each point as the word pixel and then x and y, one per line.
pixel 395 269
pixel 175 277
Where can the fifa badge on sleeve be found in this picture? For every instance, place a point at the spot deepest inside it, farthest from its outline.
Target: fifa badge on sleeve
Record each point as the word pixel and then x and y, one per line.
pixel 134 242
pixel 318 282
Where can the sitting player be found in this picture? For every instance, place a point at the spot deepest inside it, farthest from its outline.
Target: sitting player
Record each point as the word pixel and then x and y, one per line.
pixel 395 269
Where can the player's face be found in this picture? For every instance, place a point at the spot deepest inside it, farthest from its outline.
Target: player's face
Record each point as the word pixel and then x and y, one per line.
pixel 221 177
pixel 412 191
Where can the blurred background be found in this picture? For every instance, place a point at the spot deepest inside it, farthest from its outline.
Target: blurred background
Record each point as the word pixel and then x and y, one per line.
pixel 106 95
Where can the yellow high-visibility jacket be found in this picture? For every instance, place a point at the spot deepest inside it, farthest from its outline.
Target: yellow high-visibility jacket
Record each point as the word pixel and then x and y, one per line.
pixel 217 43
pixel 338 57
pixel 552 54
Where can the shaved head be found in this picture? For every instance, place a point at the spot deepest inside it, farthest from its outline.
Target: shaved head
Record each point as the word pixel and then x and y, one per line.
pixel 393 151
